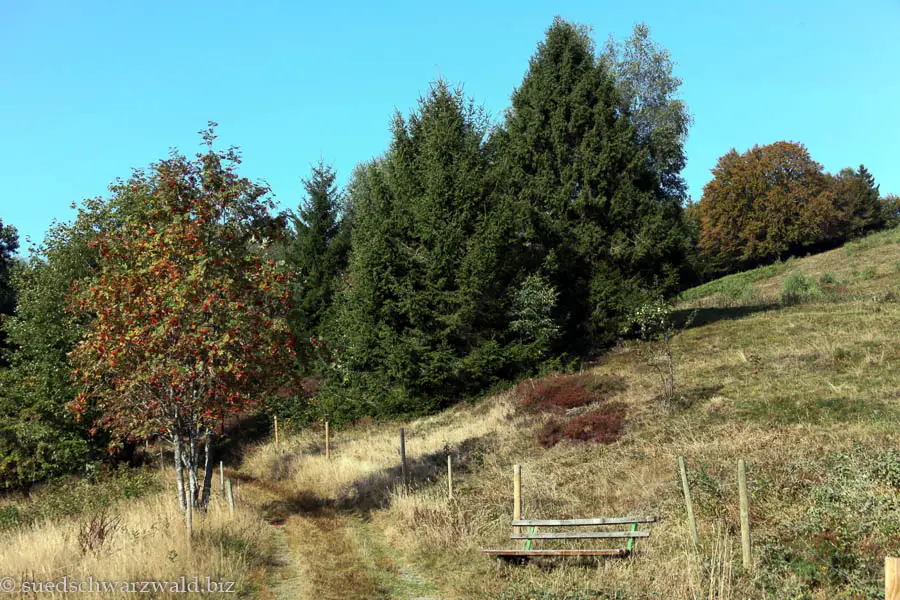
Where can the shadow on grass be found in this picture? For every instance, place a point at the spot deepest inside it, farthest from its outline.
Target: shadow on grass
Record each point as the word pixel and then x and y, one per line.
pixel 373 491
pixel 287 501
pixel 697 317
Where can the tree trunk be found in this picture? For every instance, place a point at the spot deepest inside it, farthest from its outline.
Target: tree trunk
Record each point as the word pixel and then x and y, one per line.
pixel 207 467
pixel 192 468
pixel 179 472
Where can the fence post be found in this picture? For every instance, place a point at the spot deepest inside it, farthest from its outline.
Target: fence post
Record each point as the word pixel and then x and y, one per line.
pixel 327 445
pixel 276 434
pixel 403 472
pixel 745 514
pixel 229 494
pixel 517 494
pixel 891 578
pixel 692 523
pixel 450 477
pixel 222 477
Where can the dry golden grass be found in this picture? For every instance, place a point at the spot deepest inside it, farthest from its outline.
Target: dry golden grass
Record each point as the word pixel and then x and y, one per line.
pixel 146 540
pixel 364 461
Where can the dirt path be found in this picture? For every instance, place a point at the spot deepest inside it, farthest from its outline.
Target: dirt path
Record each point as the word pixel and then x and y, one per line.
pixel 325 554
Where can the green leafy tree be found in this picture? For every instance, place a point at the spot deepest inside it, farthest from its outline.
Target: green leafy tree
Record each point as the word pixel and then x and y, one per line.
pixel 9 243
pixel 767 203
pixel 185 317
pixel 595 219
pixel 890 210
pixel 39 438
pixel 649 89
pixel 654 322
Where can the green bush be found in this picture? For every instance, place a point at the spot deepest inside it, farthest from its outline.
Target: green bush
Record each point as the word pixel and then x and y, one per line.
pixel 63 497
pixel 827 279
pixel 798 288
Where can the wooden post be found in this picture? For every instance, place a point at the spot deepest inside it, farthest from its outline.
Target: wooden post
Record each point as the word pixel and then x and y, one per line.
pixel 403 473
pixel 450 477
pixel 517 493
pixel 222 477
pixel 891 578
pixel 229 494
pixel 327 445
pixel 276 433
pixel 745 514
pixel 692 523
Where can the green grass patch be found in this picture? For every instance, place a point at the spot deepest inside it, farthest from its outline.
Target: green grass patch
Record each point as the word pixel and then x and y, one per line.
pixel 734 287
pixel 67 496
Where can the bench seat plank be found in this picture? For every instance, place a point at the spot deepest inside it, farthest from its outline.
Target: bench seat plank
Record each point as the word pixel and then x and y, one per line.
pixel 589 552
pixel 579 535
pixel 581 522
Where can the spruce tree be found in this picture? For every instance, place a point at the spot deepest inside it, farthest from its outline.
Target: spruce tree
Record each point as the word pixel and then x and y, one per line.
pixel 596 221
pixel 856 198
pixel 319 251
pixel 420 314
pixel 9 243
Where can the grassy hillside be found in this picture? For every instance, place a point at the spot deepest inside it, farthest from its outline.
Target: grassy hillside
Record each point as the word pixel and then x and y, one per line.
pixel 794 367
pixel 807 392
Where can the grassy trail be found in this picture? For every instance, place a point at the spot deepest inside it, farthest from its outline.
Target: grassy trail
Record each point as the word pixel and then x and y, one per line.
pixel 326 554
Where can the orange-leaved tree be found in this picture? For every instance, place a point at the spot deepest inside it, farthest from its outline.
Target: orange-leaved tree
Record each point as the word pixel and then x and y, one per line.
pixel 764 204
pixel 187 315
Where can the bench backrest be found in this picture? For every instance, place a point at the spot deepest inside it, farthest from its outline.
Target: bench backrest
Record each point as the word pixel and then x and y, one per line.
pixel 572 535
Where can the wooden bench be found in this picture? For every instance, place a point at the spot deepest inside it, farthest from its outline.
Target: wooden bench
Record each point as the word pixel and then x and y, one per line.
pixel 528 551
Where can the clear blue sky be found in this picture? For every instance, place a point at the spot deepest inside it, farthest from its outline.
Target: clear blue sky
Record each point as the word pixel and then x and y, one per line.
pixel 90 90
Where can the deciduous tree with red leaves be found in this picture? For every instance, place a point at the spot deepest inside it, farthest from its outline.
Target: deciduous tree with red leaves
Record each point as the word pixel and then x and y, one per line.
pixel 187 315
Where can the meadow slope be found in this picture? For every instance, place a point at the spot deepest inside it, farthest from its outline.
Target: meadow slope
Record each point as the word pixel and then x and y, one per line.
pixel 807 391
pixel 802 381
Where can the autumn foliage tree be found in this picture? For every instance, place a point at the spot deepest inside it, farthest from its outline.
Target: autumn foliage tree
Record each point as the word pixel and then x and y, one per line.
pixel 764 204
pixel 186 317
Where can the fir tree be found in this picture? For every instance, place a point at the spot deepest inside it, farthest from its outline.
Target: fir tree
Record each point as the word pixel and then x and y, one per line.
pixel 420 314
pixel 319 251
pixel 856 198
pixel 597 222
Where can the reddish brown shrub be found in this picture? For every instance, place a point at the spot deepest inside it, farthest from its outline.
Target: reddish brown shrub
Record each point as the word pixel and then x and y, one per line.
pixel 558 393
pixel 602 426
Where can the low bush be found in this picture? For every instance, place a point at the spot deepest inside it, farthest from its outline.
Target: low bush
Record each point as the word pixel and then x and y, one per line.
pixel 558 393
pixel 827 279
pixel 798 288
pixel 604 425
pixel 63 496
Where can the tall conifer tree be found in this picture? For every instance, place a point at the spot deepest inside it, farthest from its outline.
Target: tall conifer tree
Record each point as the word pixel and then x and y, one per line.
pixel 420 314
pixel 319 250
pixel 597 222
